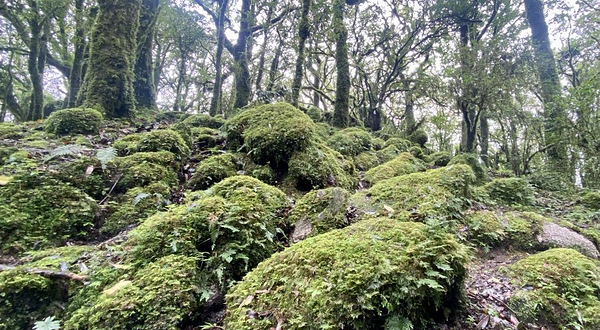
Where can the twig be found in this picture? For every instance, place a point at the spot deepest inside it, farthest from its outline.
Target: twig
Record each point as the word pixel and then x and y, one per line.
pixel 110 191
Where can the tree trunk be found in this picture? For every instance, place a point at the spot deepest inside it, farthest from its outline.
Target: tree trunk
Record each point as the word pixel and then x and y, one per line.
pixel 145 93
pixel 240 57
pixel 76 69
pixel 555 118
pixel 341 112
pixel 484 139
pixel 36 104
pixel 409 109
pixel 216 97
pixel 275 64
pixel 303 34
pixel 110 77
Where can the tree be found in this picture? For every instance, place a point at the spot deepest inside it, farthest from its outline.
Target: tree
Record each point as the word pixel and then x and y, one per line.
pixel 341 112
pixel 144 85
pixel 303 34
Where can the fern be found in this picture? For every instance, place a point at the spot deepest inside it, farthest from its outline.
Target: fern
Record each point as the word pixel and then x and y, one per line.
pixel 396 322
pixel 48 323
pixel 66 150
pixel 106 155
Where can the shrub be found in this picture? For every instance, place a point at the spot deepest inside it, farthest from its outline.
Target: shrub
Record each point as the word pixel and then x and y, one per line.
pixel 270 133
pixel 359 277
pixel 473 161
pixel 558 288
pixel 212 170
pixel 405 163
pixel 510 191
pixel 203 120
pixel 351 141
pixel 74 121
pixel 159 140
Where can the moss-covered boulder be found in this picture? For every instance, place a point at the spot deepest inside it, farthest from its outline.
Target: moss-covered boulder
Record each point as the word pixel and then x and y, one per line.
pixel 320 211
pixel 270 133
pixel 439 193
pixel 85 173
pixel 440 158
pixel 473 161
pixel 159 140
pixel 485 228
pixel 319 166
pixel 371 273
pixel 558 288
pixel 351 141
pixel 419 137
pixel 74 121
pixel 204 137
pixel 388 153
pixel 204 120
pixel 590 199
pixel 405 163
pixel 510 191
pixel 38 211
pixel 10 131
pixel 143 168
pixel 401 144
pixel 366 160
pixel 212 170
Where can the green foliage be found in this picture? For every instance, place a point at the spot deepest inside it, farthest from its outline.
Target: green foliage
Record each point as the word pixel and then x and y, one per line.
pixel 351 141
pixel 405 163
pixel 319 166
pixel 203 120
pixel 315 114
pixel 354 278
pixel 74 121
pixel 105 155
pixel 48 323
pixel 473 161
pixel 159 140
pixel 486 229
pixel 510 191
pixel 270 133
pixel 560 288
pixel 590 199
pixel 419 137
pixel 212 170
pixel 523 228
pixel 549 181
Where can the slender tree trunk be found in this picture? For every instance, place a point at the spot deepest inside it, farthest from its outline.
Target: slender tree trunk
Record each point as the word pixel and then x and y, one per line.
pixel 178 105
pixel 77 67
pixel 216 97
pixel 303 34
pixel 409 109
pixel 145 93
pixel 35 49
pixel 341 112
pixel 275 64
pixel 240 57
pixel 484 139
pixel 555 118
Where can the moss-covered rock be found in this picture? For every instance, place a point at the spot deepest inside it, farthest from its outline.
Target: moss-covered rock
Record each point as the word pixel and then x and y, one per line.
pixel 510 191
pixel 388 153
pixel 204 137
pixel 401 144
pixel 590 199
pixel 39 211
pixel 324 130
pixel 351 141
pixel 315 114
pixel 319 166
pixel 271 133
pixel 473 161
pixel 558 288
pixel 419 137
pixel 440 158
pixel 320 211
pixel 143 168
pixel 212 170
pixel 159 140
pixel 86 173
pixel 522 229
pixel 10 131
pixel 371 273
pixel 203 120
pixel 485 228
pixel 405 163
pixel 74 121
pixel 366 160
pixel 439 193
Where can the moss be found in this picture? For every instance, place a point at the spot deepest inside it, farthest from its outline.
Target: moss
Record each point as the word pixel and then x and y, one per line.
pixel 440 193
pixel 550 181
pixel 315 114
pixel 203 120
pixel 405 163
pixel 40 211
pixel 559 289
pixel 270 133
pixel 401 144
pixel 19 162
pixel 378 143
pixel 204 137
pixel 353 278
pixel 10 131
pixel 590 199
pixel 417 152
pixel 143 168
pixel 388 153
pixel 319 166
pixel 366 160
pixel 162 295
pixel 320 211
pixel 74 121
pixel 523 228
pixel 263 173
pixel 185 131
pixel 473 161
pixel 419 137
pixel 440 158
pixel 486 229
pixel 159 140
pixel 324 130
pixel 212 170
pixel 510 191
pixel 351 141
pixel 76 173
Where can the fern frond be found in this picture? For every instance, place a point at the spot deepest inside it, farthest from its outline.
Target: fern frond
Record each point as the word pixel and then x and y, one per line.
pixel 106 155
pixel 66 150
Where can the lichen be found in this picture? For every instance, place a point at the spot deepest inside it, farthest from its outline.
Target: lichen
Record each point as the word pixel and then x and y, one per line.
pixel 212 170
pixel 74 121
pixel 351 141
pixel 405 163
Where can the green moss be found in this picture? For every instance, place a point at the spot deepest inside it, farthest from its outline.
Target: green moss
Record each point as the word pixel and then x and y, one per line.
pixel 378 143
pixel 473 161
pixel 202 120
pixel 185 131
pixel 366 160
pixel 74 121
pixel 550 181
pixel 270 133
pixel 320 211
pixel 10 131
pixel 18 162
pixel 440 158
pixel 590 199
pixel 353 278
pixel 315 114
pixel 160 296
pixel 510 191
pixel 401 144
pixel 405 163
pixel 559 288
pixel 159 140
pixel 76 173
pixel 486 229
pixel 319 166
pixel 212 170
pixel 205 137
pixel 143 168
pixel 439 193
pixel 523 228
pixel 419 137
pixel 39 211
pixel 416 152
pixel 388 153
pixel 324 130
pixel 351 141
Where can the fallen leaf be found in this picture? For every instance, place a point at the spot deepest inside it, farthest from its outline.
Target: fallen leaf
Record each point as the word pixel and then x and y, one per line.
pixel 247 301
pixel 89 170
pixel 115 288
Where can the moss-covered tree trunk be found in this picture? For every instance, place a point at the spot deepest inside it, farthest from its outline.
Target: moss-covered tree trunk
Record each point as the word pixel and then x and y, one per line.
pixel 145 91
pixel 216 97
pixel 341 112
pixel 35 64
pixel 555 118
pixel 75 78
pixel 243 88
pixel 303 34
pixel 110 77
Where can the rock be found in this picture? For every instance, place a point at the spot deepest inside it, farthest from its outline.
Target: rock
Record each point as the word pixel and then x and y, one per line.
pixel 557 236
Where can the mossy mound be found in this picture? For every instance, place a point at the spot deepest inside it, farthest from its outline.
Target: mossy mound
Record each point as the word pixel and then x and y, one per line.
pixel 10 131
pixel 74 121
pixel 161 295
pixel 405 163
pixel 39 211
pixel 419 137
pixel 590 199
pixel 324 130
pixel 559 288
pixel 440 158
pixel 473 161
pixel 401 144
pixel 204 137
pixel 315 114
pixel 270 133
pixel 439 193
pixel 203 120
pixel 159 140
pixel 351 141
pixel 522 229
pixel 143 168
pixel 366 160
pixel 360 277
pixel 77 173
pixel 319 166
pixel 212 170
pixel 320 211
pixel 485 229
pixel 388 153
pixel 510 191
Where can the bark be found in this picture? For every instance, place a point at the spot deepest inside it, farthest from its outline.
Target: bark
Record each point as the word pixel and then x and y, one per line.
pixel 341 112
pixel 409 110
pixel 33 64
pixel 275 64
pixel 145 92
pixel 240 57
pixel 179 105
pixel 303 34
pixel 75 78
pixel 484 139
pixel 216 97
